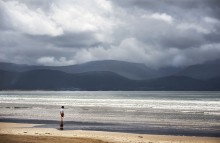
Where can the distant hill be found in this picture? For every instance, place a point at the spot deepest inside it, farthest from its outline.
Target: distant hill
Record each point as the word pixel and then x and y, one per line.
pixel 57 80
pixel 180 83
pixel 45 79
pixel 109 75
pixel 207 70
pixel 7 79
pixel 18 67
pixel 129 70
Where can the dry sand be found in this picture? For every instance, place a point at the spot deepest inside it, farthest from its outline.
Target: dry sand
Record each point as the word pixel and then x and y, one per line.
pixel 26 133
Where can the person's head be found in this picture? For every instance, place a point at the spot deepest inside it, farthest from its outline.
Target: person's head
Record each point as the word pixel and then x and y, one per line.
pixel 62 107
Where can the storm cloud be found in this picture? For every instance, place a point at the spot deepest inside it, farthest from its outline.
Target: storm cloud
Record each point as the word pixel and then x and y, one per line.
pixel 64 32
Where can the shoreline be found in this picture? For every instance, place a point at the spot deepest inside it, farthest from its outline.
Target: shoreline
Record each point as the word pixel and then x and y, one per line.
pixel 114 127
pixel 29 132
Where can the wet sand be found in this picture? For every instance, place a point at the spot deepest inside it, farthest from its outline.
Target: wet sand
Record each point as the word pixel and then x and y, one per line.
pixel 45 139
pixel 23 133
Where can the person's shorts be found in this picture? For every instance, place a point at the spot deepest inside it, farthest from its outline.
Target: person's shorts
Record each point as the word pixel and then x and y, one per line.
pixel 62 114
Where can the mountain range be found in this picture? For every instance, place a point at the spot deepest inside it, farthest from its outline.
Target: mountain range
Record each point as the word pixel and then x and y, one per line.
pixel 109 75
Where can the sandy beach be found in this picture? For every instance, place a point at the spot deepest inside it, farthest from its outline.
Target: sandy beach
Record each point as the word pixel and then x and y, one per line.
pixel 17 132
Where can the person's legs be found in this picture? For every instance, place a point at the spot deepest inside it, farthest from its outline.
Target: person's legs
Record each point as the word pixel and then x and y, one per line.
pixel 61 123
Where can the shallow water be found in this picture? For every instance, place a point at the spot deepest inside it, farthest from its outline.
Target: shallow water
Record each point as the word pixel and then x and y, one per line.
pixel 141 111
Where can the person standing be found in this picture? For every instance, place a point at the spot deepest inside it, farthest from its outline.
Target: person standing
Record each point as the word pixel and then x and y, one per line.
pixel 62 116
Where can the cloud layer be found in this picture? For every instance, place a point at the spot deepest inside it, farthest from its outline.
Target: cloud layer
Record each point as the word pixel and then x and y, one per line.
pixel 63 32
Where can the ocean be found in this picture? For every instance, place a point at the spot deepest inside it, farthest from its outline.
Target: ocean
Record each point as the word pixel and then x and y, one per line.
pixel 149 112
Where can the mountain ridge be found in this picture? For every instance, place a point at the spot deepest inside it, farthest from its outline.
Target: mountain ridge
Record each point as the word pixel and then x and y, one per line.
pixel 108 75
pixel 45 79
pixel 136 71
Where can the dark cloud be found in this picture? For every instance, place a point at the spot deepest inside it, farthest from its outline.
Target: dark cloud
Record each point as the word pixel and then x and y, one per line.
pixel 158 33
pixel 5 23
pixel 178 8
pixel 213 38
pixel 166 4
pixel 69 40
pixel 182 41
pixel 81 40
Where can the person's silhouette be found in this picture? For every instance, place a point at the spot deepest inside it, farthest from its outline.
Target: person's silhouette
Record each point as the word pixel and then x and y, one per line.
pixel 62 116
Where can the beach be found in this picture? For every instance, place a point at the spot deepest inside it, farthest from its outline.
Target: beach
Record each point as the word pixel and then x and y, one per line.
pixel 114 117
pixel 139 112
pixel 23 133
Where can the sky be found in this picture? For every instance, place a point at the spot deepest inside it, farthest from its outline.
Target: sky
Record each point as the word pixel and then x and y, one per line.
pixel 158 33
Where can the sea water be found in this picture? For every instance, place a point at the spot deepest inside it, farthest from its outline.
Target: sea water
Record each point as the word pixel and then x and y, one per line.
pixel 162 112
